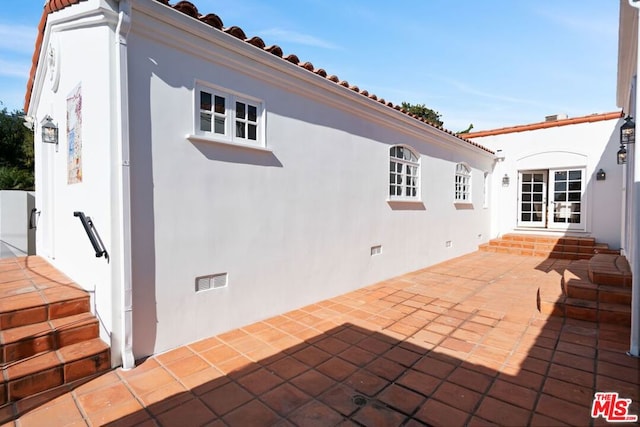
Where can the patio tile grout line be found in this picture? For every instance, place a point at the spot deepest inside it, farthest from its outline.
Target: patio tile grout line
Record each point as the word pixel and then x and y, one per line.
pixel 539 392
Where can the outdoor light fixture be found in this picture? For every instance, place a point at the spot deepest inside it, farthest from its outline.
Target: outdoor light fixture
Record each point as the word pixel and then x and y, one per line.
pixel 49 131
pixel 627 136
pixel 505 180
pixel 628 131
pixel 601 175
pixel 622 155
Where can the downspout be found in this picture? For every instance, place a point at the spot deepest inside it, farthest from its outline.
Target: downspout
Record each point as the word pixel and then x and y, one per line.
pixel 122 123
pixel 634 349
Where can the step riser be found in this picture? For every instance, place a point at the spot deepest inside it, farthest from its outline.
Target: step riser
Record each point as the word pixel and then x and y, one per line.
pixel 559 309
pixel 610 280
pixel 598 295
pixel 86 367
pixel 569 248
pixel 63 373
pixel 42 313
pixel 536 252
pixel 52 340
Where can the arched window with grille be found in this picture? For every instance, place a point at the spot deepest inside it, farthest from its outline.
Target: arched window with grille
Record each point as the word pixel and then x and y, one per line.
pixel 462 184
pixel 404 172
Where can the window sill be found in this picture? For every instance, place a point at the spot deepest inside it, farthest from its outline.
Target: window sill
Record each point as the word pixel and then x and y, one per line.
pixel 463 205
pixel 210 140
pixel 406 204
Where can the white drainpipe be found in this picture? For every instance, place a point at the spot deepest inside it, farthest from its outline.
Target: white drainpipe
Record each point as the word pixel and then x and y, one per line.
pixel 634 349
pixel 122 123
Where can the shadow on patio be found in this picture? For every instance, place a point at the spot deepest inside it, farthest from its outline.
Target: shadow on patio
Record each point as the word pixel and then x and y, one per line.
pixel 459 343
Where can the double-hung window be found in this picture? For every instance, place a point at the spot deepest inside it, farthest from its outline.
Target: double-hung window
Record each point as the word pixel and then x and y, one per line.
pixel 404 170
pixel 462 184
pixel 226 116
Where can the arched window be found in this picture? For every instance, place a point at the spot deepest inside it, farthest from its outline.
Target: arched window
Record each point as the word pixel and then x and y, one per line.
pixel 404 171
pixel 463 183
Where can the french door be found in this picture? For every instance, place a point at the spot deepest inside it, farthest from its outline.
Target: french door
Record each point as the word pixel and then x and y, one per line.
pixel 566 208
pixel 552 199
pixel 532 198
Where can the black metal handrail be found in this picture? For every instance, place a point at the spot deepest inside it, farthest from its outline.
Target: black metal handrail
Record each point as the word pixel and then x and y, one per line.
pixel 93 235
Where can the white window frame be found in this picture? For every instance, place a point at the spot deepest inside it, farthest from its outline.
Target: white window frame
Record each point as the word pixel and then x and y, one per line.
pixel 462 184
pixel 230 135
pixel 403 170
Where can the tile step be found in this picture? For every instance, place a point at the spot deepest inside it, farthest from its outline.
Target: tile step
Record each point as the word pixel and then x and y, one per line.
pixel 51 369
pixel 535 252
pixel 41 306
pixel 549 302
pixel 610 270
pixel 25 341
pixel 570 240
pixel 576 284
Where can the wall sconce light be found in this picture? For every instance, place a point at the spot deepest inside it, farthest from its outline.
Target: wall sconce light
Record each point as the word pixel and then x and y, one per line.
pixel 601 175
pixel 628 131
pixel 627 136
pixel 49 131
pixel 622 155
pixel 505 180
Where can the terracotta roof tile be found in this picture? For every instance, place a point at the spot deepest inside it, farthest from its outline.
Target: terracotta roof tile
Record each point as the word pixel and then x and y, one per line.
pixel 214 21
pixel 187 8
pixel 292 58
pixel 236 32
pixel 274 49
pixel 257 42
pixel 544 125
pixel 307 66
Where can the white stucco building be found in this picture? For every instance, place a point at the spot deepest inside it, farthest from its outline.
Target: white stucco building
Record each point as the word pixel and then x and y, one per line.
pixel 547 177
pixel 229 182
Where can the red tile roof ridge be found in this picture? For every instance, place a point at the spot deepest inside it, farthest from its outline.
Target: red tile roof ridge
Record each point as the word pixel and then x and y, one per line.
pixel 213 20
pixel 543 125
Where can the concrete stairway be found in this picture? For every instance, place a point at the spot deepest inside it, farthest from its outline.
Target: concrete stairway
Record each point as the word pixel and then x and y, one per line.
pixel 48 336
pixel 561 247
pixel 598 290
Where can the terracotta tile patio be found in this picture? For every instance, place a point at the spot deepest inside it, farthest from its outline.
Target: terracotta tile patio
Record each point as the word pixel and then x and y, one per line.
pixel 459 343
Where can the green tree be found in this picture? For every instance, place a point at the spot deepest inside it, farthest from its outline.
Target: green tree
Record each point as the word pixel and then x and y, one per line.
pixel 421 110
pixel 16 152
pixel 467 130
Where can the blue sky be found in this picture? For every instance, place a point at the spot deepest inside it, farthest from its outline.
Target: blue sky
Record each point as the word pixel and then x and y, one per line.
pixel 492 63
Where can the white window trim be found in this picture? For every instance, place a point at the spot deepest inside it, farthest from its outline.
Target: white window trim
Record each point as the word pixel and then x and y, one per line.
pixel 403 198
pixel 466 199
pixel 230 104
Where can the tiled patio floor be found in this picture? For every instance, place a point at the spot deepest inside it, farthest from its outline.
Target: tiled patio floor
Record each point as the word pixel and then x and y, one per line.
pixel 460 343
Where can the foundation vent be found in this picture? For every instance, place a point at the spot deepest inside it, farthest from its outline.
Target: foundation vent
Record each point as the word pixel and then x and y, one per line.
pixel 213 281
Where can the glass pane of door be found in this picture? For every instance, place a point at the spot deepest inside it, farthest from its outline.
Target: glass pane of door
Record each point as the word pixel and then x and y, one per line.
pixel 567 208
pixel 532 198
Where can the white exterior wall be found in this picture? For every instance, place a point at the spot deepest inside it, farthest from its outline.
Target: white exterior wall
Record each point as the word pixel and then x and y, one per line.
pixel 291 226
pixel 83 38
pixel 16 236
pixel 627 98
pixel 592 145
